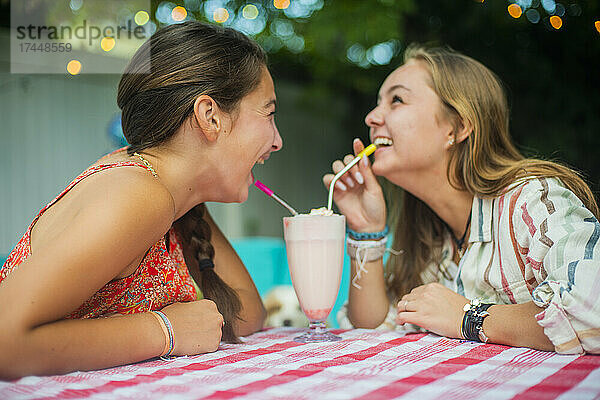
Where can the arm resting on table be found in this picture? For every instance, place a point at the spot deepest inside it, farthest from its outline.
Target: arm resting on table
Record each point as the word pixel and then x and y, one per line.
pixel 368 306
pixel 516 325
pixel 231 269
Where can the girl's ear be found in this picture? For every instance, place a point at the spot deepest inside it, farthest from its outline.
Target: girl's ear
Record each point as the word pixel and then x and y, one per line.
pixel 209 117
pixel 463 130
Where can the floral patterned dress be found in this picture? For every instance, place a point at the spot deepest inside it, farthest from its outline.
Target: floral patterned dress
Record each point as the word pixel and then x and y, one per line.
pixel 162 278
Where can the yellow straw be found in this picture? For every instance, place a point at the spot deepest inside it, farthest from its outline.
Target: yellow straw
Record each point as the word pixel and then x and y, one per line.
pixel 367 151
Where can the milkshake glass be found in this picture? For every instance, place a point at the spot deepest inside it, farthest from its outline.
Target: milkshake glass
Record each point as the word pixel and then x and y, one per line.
pixel 315 251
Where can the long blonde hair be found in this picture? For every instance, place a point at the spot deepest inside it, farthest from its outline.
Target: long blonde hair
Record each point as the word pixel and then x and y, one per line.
pixel 484 164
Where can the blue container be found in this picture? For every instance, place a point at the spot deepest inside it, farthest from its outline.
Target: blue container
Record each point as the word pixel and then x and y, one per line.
pixel 266 261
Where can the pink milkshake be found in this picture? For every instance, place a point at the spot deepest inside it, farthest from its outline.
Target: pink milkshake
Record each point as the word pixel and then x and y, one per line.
pixel 315 251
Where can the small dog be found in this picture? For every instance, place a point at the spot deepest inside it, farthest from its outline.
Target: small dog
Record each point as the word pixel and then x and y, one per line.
pixel 283 308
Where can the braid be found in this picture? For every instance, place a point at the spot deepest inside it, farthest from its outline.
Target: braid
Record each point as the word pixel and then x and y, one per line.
pixel 195 235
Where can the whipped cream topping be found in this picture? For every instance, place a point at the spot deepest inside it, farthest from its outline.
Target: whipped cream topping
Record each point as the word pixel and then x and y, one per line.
pixel 321 211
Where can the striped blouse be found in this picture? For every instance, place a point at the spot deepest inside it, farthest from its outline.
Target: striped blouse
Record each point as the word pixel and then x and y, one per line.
pixel 537 241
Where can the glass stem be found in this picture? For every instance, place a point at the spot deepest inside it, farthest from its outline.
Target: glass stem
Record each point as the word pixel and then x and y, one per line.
pixel 317 328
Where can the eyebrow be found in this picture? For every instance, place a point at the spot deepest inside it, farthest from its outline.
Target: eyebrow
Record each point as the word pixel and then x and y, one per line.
pixel 398 86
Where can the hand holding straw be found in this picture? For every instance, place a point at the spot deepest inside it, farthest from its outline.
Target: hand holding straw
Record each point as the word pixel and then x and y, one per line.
pixel 367 151
pixel 270 193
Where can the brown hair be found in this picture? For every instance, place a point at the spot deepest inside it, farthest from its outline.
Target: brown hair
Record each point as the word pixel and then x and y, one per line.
pixel 156 95
pixel 484 164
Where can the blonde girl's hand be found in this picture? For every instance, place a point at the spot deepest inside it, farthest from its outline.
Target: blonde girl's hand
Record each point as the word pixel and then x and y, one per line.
pixel 196 326
pixel 433 307
pixel 357 193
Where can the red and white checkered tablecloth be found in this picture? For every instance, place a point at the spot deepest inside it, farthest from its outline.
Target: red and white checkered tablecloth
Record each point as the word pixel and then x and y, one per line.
pixel 367 364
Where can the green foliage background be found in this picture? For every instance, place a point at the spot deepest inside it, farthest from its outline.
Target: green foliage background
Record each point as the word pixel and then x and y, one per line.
pixel 552 76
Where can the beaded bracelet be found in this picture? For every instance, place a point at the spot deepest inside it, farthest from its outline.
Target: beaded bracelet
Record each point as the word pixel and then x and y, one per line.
pixel 167 329
pixel 368 235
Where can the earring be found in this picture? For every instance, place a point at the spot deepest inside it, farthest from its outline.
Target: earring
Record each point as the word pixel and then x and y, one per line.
pixel 451 142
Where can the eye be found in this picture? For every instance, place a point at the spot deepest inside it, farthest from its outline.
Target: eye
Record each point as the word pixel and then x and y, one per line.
pixel 397 99
pixel 272 113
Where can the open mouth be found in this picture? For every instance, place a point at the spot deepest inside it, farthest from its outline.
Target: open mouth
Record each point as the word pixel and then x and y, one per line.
pixel 383 142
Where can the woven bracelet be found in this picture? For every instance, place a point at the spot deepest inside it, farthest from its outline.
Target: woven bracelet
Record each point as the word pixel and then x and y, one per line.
pixel 365 250
pixel 368 235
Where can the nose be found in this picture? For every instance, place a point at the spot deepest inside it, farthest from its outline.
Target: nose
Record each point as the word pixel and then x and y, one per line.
pixel 287 322
pixel 278 142
pixel 374 118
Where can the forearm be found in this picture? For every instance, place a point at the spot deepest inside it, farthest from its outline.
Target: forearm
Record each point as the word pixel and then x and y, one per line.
pixel 71 345
pixel 230 268
pixel 515 325
pixel 253 314
pixel 369 305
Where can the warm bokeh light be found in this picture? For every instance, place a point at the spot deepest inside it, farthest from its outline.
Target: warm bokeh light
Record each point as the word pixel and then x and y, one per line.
pixel 281 4
pixel 597 25
pixel 107 43
pixel 221 15
pixel 515 11
pixel 141 17
pixel 480 1
pixel 74 67
pixel 179 13
pixel 250 11
pixel 556 21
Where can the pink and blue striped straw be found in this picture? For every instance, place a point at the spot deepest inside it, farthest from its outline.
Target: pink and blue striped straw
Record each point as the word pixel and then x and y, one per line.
pixel 270 193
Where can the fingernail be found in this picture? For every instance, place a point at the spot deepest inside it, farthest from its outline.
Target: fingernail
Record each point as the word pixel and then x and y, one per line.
pixel 365 161
pixel 349 182
pixel 359 178
pixel 341 186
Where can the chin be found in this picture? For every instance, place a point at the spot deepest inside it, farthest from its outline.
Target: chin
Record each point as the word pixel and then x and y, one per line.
pixel 377 169
pixel 242 196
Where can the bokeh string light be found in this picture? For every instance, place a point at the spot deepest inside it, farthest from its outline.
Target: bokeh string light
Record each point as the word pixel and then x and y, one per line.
pixel 514 10
pixel 556 21
pixel 107 43
pixel 281 4
pixel 74 67
pixel 274 23
pixel 250 11
pixel 179 14
pixel 555 12
pixel 141 17
pixel 221 15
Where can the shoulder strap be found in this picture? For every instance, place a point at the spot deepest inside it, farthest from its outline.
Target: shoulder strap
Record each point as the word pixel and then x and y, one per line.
pixel 90 171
